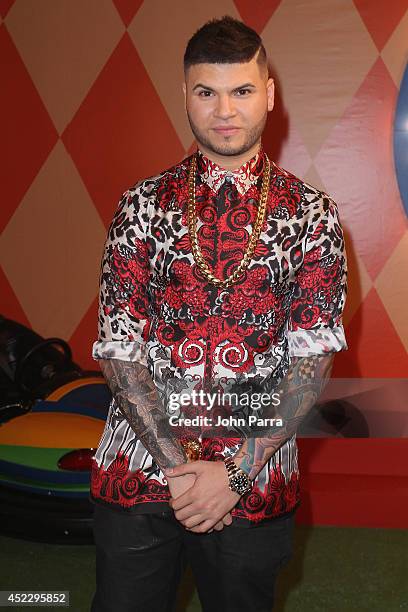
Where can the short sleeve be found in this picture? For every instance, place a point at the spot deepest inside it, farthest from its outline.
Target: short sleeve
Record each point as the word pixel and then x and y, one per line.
pixel 123 306
pixel 315 323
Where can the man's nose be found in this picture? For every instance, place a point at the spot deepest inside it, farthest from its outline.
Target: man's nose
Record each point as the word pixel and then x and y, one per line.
pixel 225 107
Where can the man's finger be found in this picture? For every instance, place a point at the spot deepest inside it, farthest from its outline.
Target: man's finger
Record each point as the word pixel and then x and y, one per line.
pixel 193 521
pixel 204 526
pixel 227 520
pixel 218 527
pixel 181 470
pixel 186 512
pixel 182 501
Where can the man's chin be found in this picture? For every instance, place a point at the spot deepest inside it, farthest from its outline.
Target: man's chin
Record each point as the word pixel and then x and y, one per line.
pixel 227 149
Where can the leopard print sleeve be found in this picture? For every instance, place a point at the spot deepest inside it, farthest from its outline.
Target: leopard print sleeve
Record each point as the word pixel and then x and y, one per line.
pixel 123 311
pixel 315 322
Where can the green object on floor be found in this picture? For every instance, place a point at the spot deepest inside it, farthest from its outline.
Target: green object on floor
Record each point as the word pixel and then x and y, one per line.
pixel 339 569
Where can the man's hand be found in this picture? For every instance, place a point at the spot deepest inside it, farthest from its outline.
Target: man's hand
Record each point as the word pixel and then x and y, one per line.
pixel 208 501
pixel 181 484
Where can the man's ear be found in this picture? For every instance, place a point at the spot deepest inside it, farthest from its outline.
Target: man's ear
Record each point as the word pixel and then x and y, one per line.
pixel 270 90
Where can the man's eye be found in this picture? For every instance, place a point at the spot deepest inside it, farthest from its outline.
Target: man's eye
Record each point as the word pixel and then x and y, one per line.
pixel 205 93
pixel 243 92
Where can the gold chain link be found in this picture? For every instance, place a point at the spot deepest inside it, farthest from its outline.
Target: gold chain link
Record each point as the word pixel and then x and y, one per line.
pixel 192 230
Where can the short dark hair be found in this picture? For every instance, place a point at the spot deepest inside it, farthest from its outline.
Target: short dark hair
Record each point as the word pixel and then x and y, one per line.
pixel 224 41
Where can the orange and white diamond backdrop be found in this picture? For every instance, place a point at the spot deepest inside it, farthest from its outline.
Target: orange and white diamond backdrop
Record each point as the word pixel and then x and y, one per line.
pixel 91 102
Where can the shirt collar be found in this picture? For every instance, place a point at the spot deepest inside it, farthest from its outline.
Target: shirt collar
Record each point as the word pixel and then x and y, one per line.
pixel 243 177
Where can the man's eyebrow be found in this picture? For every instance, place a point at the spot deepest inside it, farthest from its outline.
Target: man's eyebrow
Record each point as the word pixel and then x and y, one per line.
pixel 244 86
pixel 201 85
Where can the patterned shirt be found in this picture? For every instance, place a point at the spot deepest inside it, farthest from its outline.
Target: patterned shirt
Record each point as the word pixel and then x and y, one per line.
pixel 157 308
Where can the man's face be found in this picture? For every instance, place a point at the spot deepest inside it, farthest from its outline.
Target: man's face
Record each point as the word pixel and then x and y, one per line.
pixel 227 106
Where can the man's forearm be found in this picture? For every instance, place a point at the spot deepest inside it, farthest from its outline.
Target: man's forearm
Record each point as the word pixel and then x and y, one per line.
pixel 299 391
pixel 136 396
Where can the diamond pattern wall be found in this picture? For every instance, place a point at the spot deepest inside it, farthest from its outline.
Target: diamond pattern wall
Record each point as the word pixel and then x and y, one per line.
pixel 91 102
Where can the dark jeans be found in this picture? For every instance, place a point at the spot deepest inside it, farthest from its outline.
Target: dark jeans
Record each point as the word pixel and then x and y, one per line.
pixel 140 559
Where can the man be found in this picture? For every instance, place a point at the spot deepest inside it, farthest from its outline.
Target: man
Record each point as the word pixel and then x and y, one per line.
pixel 224 272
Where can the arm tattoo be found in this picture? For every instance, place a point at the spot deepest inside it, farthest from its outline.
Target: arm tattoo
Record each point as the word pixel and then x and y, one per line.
pixel 299 390
pixel 136 396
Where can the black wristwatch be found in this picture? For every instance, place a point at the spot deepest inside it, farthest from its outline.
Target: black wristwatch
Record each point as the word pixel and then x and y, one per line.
pixel 239 481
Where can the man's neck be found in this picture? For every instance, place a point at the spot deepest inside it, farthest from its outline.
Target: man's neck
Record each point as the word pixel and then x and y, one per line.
pixel 231 162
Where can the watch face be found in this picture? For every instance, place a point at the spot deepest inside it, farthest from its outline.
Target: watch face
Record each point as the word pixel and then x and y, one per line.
pixel 240 483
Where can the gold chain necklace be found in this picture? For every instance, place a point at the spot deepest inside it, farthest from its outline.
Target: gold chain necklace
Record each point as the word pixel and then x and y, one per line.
pixel 192 230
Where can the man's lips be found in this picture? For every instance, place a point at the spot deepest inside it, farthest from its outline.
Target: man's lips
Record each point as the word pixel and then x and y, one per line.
pixel 226 130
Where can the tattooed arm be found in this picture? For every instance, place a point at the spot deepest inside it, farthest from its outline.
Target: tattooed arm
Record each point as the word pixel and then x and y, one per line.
pixel 299 391
pixel 138 400
pixel 321 281
pixel 123 322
